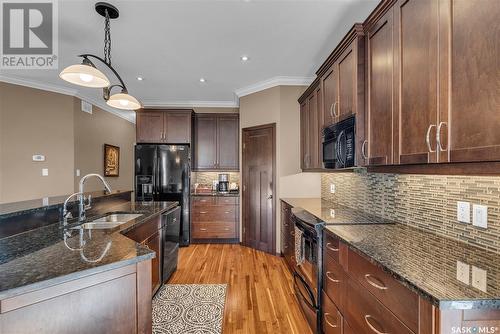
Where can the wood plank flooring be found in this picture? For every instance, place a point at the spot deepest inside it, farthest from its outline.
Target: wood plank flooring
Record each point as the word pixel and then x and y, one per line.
pixel 260 295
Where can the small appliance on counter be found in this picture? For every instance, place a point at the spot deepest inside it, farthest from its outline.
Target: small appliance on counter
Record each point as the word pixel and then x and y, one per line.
pixel 223 183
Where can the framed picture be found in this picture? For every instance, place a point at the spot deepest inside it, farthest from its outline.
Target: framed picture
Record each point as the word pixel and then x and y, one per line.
pixel 111 160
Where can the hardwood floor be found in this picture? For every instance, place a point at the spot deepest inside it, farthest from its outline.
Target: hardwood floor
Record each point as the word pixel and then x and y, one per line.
pixel 260 289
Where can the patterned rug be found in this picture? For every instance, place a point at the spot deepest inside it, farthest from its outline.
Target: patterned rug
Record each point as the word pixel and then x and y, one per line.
pixel 189 309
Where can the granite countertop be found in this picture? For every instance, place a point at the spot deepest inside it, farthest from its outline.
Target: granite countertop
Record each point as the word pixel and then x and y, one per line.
pixel 423 261
pixel 217 194
pixel 45 256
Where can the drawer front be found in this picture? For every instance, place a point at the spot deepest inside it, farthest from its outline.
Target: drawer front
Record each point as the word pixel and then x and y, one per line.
pixel 335 282
pixel 399 299
pixel 213 230
pixel 222 200
pixel 332 247
pixel 203 200
pixel 332 319
pixel 222 213
pixel 366 314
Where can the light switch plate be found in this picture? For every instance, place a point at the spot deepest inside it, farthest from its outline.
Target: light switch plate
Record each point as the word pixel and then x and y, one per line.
pixel 480 215
pixel 479 278
pixel 463 212
pixel 332 188
pixel 45 172
pixel 463 270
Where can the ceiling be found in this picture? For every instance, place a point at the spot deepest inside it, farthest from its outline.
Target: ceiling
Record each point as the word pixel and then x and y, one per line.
pixel 172 44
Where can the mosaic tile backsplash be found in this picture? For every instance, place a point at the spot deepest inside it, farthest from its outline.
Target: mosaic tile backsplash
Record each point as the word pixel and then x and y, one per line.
pixel 206 178
pixel 427 202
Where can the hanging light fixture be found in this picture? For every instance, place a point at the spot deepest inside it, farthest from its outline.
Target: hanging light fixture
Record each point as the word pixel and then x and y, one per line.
pixel 86 74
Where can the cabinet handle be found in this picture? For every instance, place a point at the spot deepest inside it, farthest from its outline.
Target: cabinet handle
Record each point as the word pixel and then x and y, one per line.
pixel 363 150
pixel 174 220
pixel 203 229
pixel 331 110
pixel 367 317
pixel 428 137
pixel 227 211
pixel 203 212
pixel 330 247
pixel 438 136
pixel 370 281
pixel 226 229
pixel 328 274
pixel 335 109
pixel 328 322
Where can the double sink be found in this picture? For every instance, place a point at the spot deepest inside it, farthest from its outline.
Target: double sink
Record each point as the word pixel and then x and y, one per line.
pixel 109 221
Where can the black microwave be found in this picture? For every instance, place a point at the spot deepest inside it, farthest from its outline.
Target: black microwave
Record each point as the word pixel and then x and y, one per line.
pixel 338 144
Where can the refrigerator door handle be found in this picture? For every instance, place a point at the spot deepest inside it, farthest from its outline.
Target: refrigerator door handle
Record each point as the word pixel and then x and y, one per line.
pixel 155 172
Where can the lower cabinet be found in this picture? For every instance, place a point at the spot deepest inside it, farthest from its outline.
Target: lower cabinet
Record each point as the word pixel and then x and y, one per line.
pixel 215 219
pixel 154 243
pixel 287 235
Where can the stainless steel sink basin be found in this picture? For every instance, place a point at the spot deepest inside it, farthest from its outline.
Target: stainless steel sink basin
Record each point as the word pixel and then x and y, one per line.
pixel 108 222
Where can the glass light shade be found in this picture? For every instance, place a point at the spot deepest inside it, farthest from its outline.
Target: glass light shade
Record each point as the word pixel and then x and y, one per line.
pixel 84 75
pixel 123 101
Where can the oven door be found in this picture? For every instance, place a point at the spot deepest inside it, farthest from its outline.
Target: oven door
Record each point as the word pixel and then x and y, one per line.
pixel 307 301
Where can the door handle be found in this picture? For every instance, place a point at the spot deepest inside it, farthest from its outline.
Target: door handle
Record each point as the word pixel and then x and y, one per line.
pixel 438 137
pixel 270 197
pixel 428 138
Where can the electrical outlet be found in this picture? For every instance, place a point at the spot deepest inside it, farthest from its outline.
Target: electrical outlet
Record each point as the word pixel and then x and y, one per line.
pixel 332 188
pixel 480 215
pixel 77 172
pixel 463 212
pixel 479 278
pixel 332 213
pixel 463 272
pixel 45 172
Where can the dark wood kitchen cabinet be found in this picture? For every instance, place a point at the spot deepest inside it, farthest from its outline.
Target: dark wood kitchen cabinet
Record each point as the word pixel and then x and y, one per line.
pixel 215 219
pixel 287 235
pixel 164 126
pixel 310 128
pixel 216 142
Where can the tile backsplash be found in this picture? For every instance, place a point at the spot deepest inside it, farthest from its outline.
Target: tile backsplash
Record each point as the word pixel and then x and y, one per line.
pixel 206 178
pixel 428 202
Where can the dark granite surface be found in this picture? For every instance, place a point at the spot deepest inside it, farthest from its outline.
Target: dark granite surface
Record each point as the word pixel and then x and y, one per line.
pixel 422 261
pixel 48 256
pixel 232 194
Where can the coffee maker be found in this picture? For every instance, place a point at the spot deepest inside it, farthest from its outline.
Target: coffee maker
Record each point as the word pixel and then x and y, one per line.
pixel 223 183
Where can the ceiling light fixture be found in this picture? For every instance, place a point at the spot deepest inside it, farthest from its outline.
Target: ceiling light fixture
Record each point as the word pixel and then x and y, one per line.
pixel 87 75
pixel 244 58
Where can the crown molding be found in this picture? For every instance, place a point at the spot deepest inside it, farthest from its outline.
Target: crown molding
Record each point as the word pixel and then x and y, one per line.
pixel 273 82
pixel 190 104
pixel 65 91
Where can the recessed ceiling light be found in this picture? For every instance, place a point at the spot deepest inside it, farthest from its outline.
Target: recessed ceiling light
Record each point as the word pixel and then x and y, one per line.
pixel 202 80
pixel 244 58
pixel 140 78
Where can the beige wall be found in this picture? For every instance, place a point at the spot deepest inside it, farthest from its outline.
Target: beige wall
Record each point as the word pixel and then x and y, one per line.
pixel 34 121
pixel 279 105
pixel 94 130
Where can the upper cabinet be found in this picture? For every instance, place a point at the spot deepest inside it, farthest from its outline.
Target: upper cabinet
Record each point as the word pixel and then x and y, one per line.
pixel 311 119
pixel 164 126
pixel 216 142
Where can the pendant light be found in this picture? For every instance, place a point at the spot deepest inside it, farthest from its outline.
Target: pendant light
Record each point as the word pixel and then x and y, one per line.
pixel 87 75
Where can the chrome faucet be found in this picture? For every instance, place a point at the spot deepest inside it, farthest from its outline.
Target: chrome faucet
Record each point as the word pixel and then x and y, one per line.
pixel 83 203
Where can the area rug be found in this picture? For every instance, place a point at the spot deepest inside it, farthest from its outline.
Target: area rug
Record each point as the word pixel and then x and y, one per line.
pixel 189 309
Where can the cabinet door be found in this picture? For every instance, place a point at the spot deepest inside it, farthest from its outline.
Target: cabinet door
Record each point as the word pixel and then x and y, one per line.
pixel 154 243
pixel 313 115
pixel 149 126
pixel 473 58
pixel 330 95
pixel 304 135
pixel 347 82
pixel 178 127
pixel 228 142
pixel 205 145
pixel 416 24
pixel 380 91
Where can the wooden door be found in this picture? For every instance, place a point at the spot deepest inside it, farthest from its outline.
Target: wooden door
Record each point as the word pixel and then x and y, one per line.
pixel 347 82
pixel 330 95
pixel 228 141
pixel 314 133
pixel 259 163
pixel 154 243
pixel 416 26
pixel 472 54
pixel 304 136
pixel 149 126
pixel 380 91
pixel 178 126
pixel 205 143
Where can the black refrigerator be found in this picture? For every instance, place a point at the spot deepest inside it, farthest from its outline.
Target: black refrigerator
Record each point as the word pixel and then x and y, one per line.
pixel 162 173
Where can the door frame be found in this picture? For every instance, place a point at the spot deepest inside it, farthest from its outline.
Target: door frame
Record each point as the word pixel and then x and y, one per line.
pixel 244 173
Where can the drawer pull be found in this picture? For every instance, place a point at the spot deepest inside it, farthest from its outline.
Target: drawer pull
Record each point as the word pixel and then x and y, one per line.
pixel 367 319
pixel 328 322
pixel 369 278
pixel 203 200
pixel 330 247
pixel 226 229
pixel 203 229
pixel 328 274
pixel 203 212
pixel 226 212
